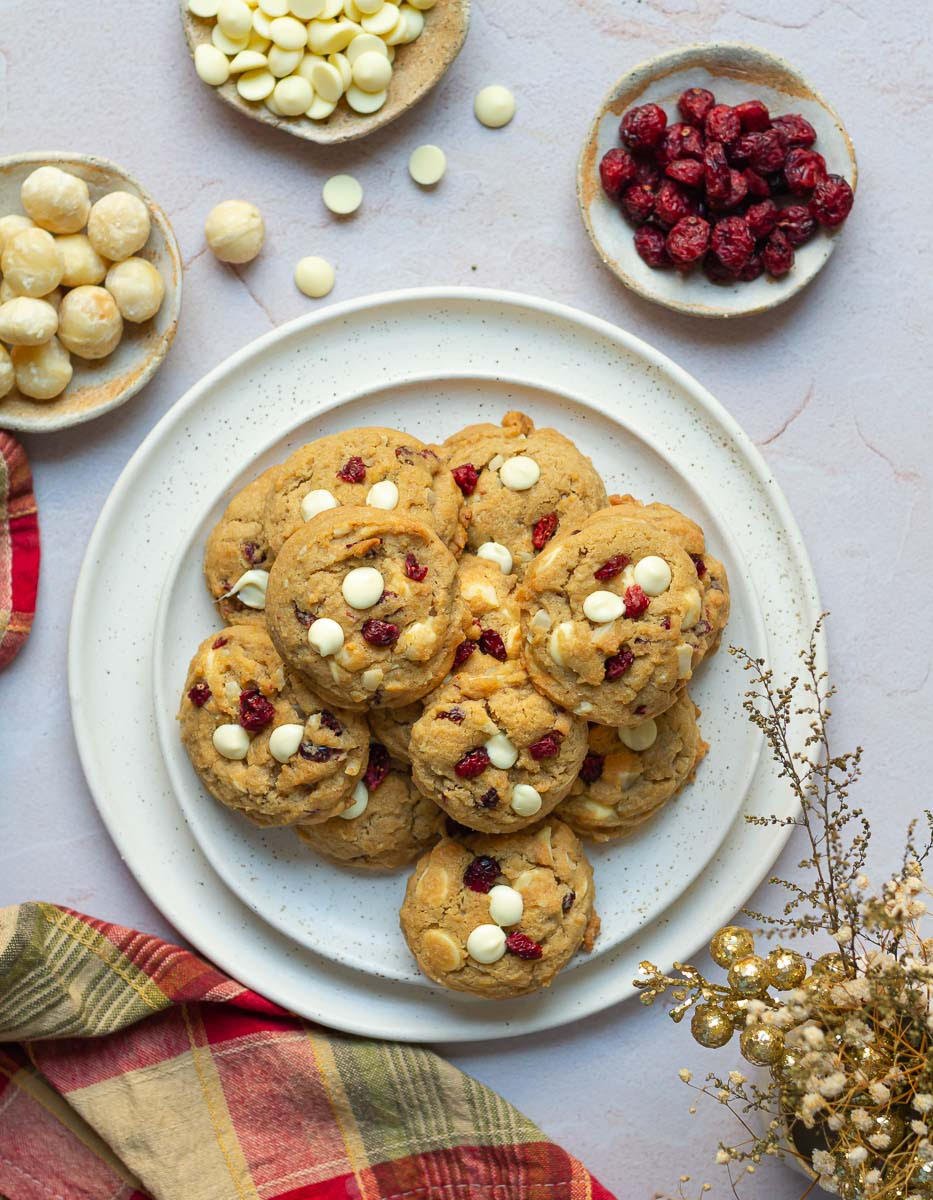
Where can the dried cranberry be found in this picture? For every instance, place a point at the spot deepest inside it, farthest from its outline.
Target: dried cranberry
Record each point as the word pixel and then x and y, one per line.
pixel 767 151
pixel 716 271
pixel 672 203
pixel 302 616
pixel 544 530
pixel 414 569
pixel 380 633
pixel 638 203
pixel 722 124
pixel 466 478
pixel 761 218
pixel 612 567
pixel 406 455
pixel 718 178
pixel 636 602
pixel 473 763
pixel 618 664
pixel 616 172
pixel 694 104
pixel 378 766
pixel 591 768
pixel 758 186
pixel 646 171
pixel 643 127
pixel 798 224
pixel 329 721
pixel 699 564
pixel 522 946
pixel 256 712
pixel 665 622
pixel 249 552
pixel 463 652
pixel 753 116
pixel 492 644
pixel 650 244
pixel 688 240
pixel 455 714
pixel 732 243
pixel 702 628
pixel 546 747
pixel 680 141
pixel 481 874
pixel 218 642
pixel 489 799
pixel 567 903
pixel 199 694
pixel 778 254
pixel 803 169
pixel 753 267
pixel 353 470
pixel 794 129
pixel 738 190
pixel 687 171
pixel 832 201
pixel 318 754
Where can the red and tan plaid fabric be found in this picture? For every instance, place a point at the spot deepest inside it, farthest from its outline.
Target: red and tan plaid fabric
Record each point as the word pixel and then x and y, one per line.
pixel 19 549
pixel 132 1069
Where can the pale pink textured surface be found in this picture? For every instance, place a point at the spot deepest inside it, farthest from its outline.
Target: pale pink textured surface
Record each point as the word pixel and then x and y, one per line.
pixel 833 387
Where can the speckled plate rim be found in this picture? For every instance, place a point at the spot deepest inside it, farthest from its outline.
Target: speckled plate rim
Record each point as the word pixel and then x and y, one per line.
pixel 635 81
pixel 45 419
pixel 120 756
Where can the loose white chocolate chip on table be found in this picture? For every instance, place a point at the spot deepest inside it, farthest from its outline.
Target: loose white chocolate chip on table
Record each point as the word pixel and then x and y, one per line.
pixel 372 71
pixel 639 737
pixel 520 473
pixel 383 494
pixel 89 322
pixel 497 553
pixel 56 200
pixel 314 276
pixel 502 753
pixel 284 741
pixel 494 106
pixel 42 372
pixel 235 230
pixel 231 741
pixel 27 322
pixel 342 193
pixel 211 64
pixel 362 587
pixel 250 588
pixel 7 372
pixel 365 102
pixel 506 905
pixel 601 607
pixel 32 263
pixel 318 501
pixel 427 165
pixel 82 264
pixel 11 224
pixel 359 805
pixel 325 636
pixel 486 944
pixel 653 575
pixel 118 225
pixel 137 287
pixel 526 800
pixel 692 608
pixel 684 661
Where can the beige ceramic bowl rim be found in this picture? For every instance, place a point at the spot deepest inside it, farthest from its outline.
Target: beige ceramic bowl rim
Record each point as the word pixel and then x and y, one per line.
pixel 46 420
pixel 649 69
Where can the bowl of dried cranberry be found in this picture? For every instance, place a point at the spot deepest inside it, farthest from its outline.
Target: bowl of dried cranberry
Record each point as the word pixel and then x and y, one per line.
pixel 715 179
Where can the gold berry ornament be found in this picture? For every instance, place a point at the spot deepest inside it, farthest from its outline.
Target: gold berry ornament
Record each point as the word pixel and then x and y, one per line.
pixel 786 968
pixel 731 943
pixel 749 976
pixel 711 1025
pixel 830 966
pixel 762 1045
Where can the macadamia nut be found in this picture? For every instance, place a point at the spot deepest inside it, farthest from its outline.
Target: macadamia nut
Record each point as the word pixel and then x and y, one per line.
pixel 137 287
pixel 27 322
pixel 82 263
pixel 42 372
pixel 235 231
pixel 56 200
pixel 89 322
pixel 7 373
pixel 118 226
pixel 32 263
pixel 14 223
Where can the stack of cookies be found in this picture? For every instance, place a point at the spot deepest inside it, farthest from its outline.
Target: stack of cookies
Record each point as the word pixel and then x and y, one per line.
pixel 465 656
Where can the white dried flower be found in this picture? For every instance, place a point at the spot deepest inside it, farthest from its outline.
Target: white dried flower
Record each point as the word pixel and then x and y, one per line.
pixel 843 935
pixel 861 1119
pixel 833 1085
pixel 685 1075
pixel 823 1162
pixel 813 1036
pixel 880 1141
pixel 722 1156
pixel 857 1155
pixel 919 1128
pixel 923 1102
pixel 737 1078
pixel 879 1092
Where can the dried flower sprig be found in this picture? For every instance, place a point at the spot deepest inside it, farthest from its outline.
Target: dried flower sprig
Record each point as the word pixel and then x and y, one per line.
pixel 846 1037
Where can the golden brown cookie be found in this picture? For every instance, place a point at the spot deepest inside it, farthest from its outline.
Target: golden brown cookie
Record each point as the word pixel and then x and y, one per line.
pixel 522 486
pixel 629 774
pixel 237 547
pixel 494 635
pixel 364 602
pixel 392 727
pixel 260 740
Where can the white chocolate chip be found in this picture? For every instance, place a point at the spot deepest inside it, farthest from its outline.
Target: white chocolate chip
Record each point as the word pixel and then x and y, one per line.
pixel 684 661
pixel 497 553
pixel 639 737
pixel 365 102
pixel 284 741
pixel 506 905
pixel 314 276
pixel 288 33
pixel 342 63
pixel 653 575
pixel 256 85
pixel 320 109
pixel 359 805
pixel 600 607
pixel 520 473
pixel 502 753
pixel 325 636
pixel 541 620
pixel 692 608
pixel 250 588
pixel 494 106
pixel 372 71
pixel 229 46
pixel 306 10
pixel 318 501
pixel 342 193
pixel 293 96
pixel 372 678
pixel 383 495
pixel 382 21
pixel 211 64
pixel 247 60
pixel 365 43
pixel 526 800
pixel 234 18
pixel 555 647
pixel 362 587
pixel 328 84
pixel 486 944
pixel 427 165
pixel 204 8
pixel 231 741
pixel 583 709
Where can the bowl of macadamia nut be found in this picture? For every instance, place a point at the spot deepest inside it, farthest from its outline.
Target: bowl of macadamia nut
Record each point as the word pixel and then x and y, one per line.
pixel 90 289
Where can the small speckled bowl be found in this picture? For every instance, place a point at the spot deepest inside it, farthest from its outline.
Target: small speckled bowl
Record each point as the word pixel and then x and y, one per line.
pixel 733 72
pixel 97 387
pixel 417 68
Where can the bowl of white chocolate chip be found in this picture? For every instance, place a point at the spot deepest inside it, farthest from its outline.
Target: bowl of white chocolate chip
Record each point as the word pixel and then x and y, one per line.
pixel 326 70
pixel 90 289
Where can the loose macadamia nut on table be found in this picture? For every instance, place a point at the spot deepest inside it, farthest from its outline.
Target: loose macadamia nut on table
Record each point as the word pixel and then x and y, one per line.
pixel 118 225
pixel 89 323
pixel 235 231
pixel 27 322
pixel 137 287
pixel 83 265
pixel 32 263
pixel 42 372
pixel 56 200
pixel 7 372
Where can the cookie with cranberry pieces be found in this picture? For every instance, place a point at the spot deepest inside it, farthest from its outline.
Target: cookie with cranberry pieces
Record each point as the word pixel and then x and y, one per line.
pixel 237 556
pixel 500 916
pixel 494 638
pixel 260 740
pixel 521 486
pixel 392 727
pixel 629 774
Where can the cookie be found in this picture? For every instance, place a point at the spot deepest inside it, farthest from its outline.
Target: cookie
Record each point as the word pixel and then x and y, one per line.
pixel 260 740
pixel 500 916
pixel 494 753
pixel 629 774
pixel 381 468
pixel 605 616
pixel 494 635
pixel 388 826
pixel 364 603
pixel 236 548
pixel 521 486
pixel 392 727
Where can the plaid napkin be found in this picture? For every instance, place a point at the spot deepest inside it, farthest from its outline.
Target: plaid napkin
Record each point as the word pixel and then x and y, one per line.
pixel 133 1069
pixel 19 549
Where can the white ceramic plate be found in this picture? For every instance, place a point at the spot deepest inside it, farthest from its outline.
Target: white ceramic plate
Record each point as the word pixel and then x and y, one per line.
pixel 326 944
